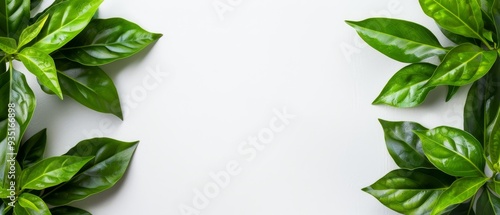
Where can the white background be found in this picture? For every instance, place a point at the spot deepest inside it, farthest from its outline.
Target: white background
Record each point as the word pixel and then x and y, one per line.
pixel 215 80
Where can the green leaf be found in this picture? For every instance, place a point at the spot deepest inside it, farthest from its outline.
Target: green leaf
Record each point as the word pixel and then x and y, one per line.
pixel 458 39
pixel 406 88
pixel 8 45
pixel 66 20
pixel 462 209
pixel 410 191
pixel 488 203
pixel 35 3
pixel 391 37
pixel 495 16
pixel 17 97
pixel 453 151
pixel 106 40
pixel 52 171
pixel 111 160
pixel 493 145
pixel 461 190
pixel 459 17
pixel 68 210
pixel 474 109
pixel 32 150
pixel 31 32
pixel 43 67
pixel 494 184
pixel 452 90
pixel 14 16
pixel 29 204
pixel 403 145
pixel 463 65
pixel 90 86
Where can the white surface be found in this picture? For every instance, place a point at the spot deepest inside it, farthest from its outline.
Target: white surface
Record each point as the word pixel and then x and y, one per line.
pixel 210 84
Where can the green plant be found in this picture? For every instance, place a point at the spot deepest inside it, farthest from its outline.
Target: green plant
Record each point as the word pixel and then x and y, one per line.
pixel 63 46
pixel 442 170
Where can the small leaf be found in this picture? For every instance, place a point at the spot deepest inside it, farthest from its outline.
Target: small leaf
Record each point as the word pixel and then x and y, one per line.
pixel 458 39
pixel 32 150
pixel 89 86
pixel 31 32
pixel 52 171
pixel 463 65
pixel 35 3
pixel 462 209
pixel 459 17
pixel 452 90
pixel 453 151
pixel 488 203
pixel 106 40
pixel 461 190
pixel 406 88
pixel 111 160
pixel 68 210
pixel 8 45
pixel 391 37
pixel 403 145
pixel 29 204
pixel 410 191
pixel 43 67
pixel 66 20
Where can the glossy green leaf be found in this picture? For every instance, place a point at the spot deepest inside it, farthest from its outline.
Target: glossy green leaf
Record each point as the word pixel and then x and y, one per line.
pixel 8 45
pixel 31 32
pixel 68 210
pixel 14 16
pixel 52 171
pixel 29 204
pixel 43 67
pixel 20 100
pixel 391 37
pixel 34 3
pixel 111 160
pixel 463 65
pixel 66 20
pixel 474 109
pixel 406 88
pixel 32 150
pixel 403 145
pixel 488 203
pixel 410 191
pixel 452 91
pixel 460 191
pixel 494 184
pixel 459 17
pixel 493 144
pixel 90 86
pixel 453 151
pixel 458 39
pixel 495 16
pixel 106 40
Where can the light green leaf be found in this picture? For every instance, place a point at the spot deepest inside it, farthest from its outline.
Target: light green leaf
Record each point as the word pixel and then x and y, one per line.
pixel 8 45
pixel 29 204
pixel 463 65
pixel 459 191
pixel 31 32
pixel 43 67
pixel 453 151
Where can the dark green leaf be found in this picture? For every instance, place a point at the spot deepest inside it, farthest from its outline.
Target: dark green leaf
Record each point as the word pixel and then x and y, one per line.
pixel 495 16
pixel 15 91
pixel 8 45
pixel 406 88
pixel 106 40
pixel 452 90
pixel 29 204
pixel 460 191
pixel 474 109
pixel 410 191
pixel 32 150
pixel 66 20
pixel 403 145
pixel 43 67
pixel 488 203
pixel 89 86
pixel 111 160
pixel 68 210
pixel 52 171
pixel 14 16
pixel 453 151
pixel 493 145
pixel 31 32
pixel 463 209
pixel 463 65
pixel 35 3
pixel 458 39
pixel 391 37
pixel 459 17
